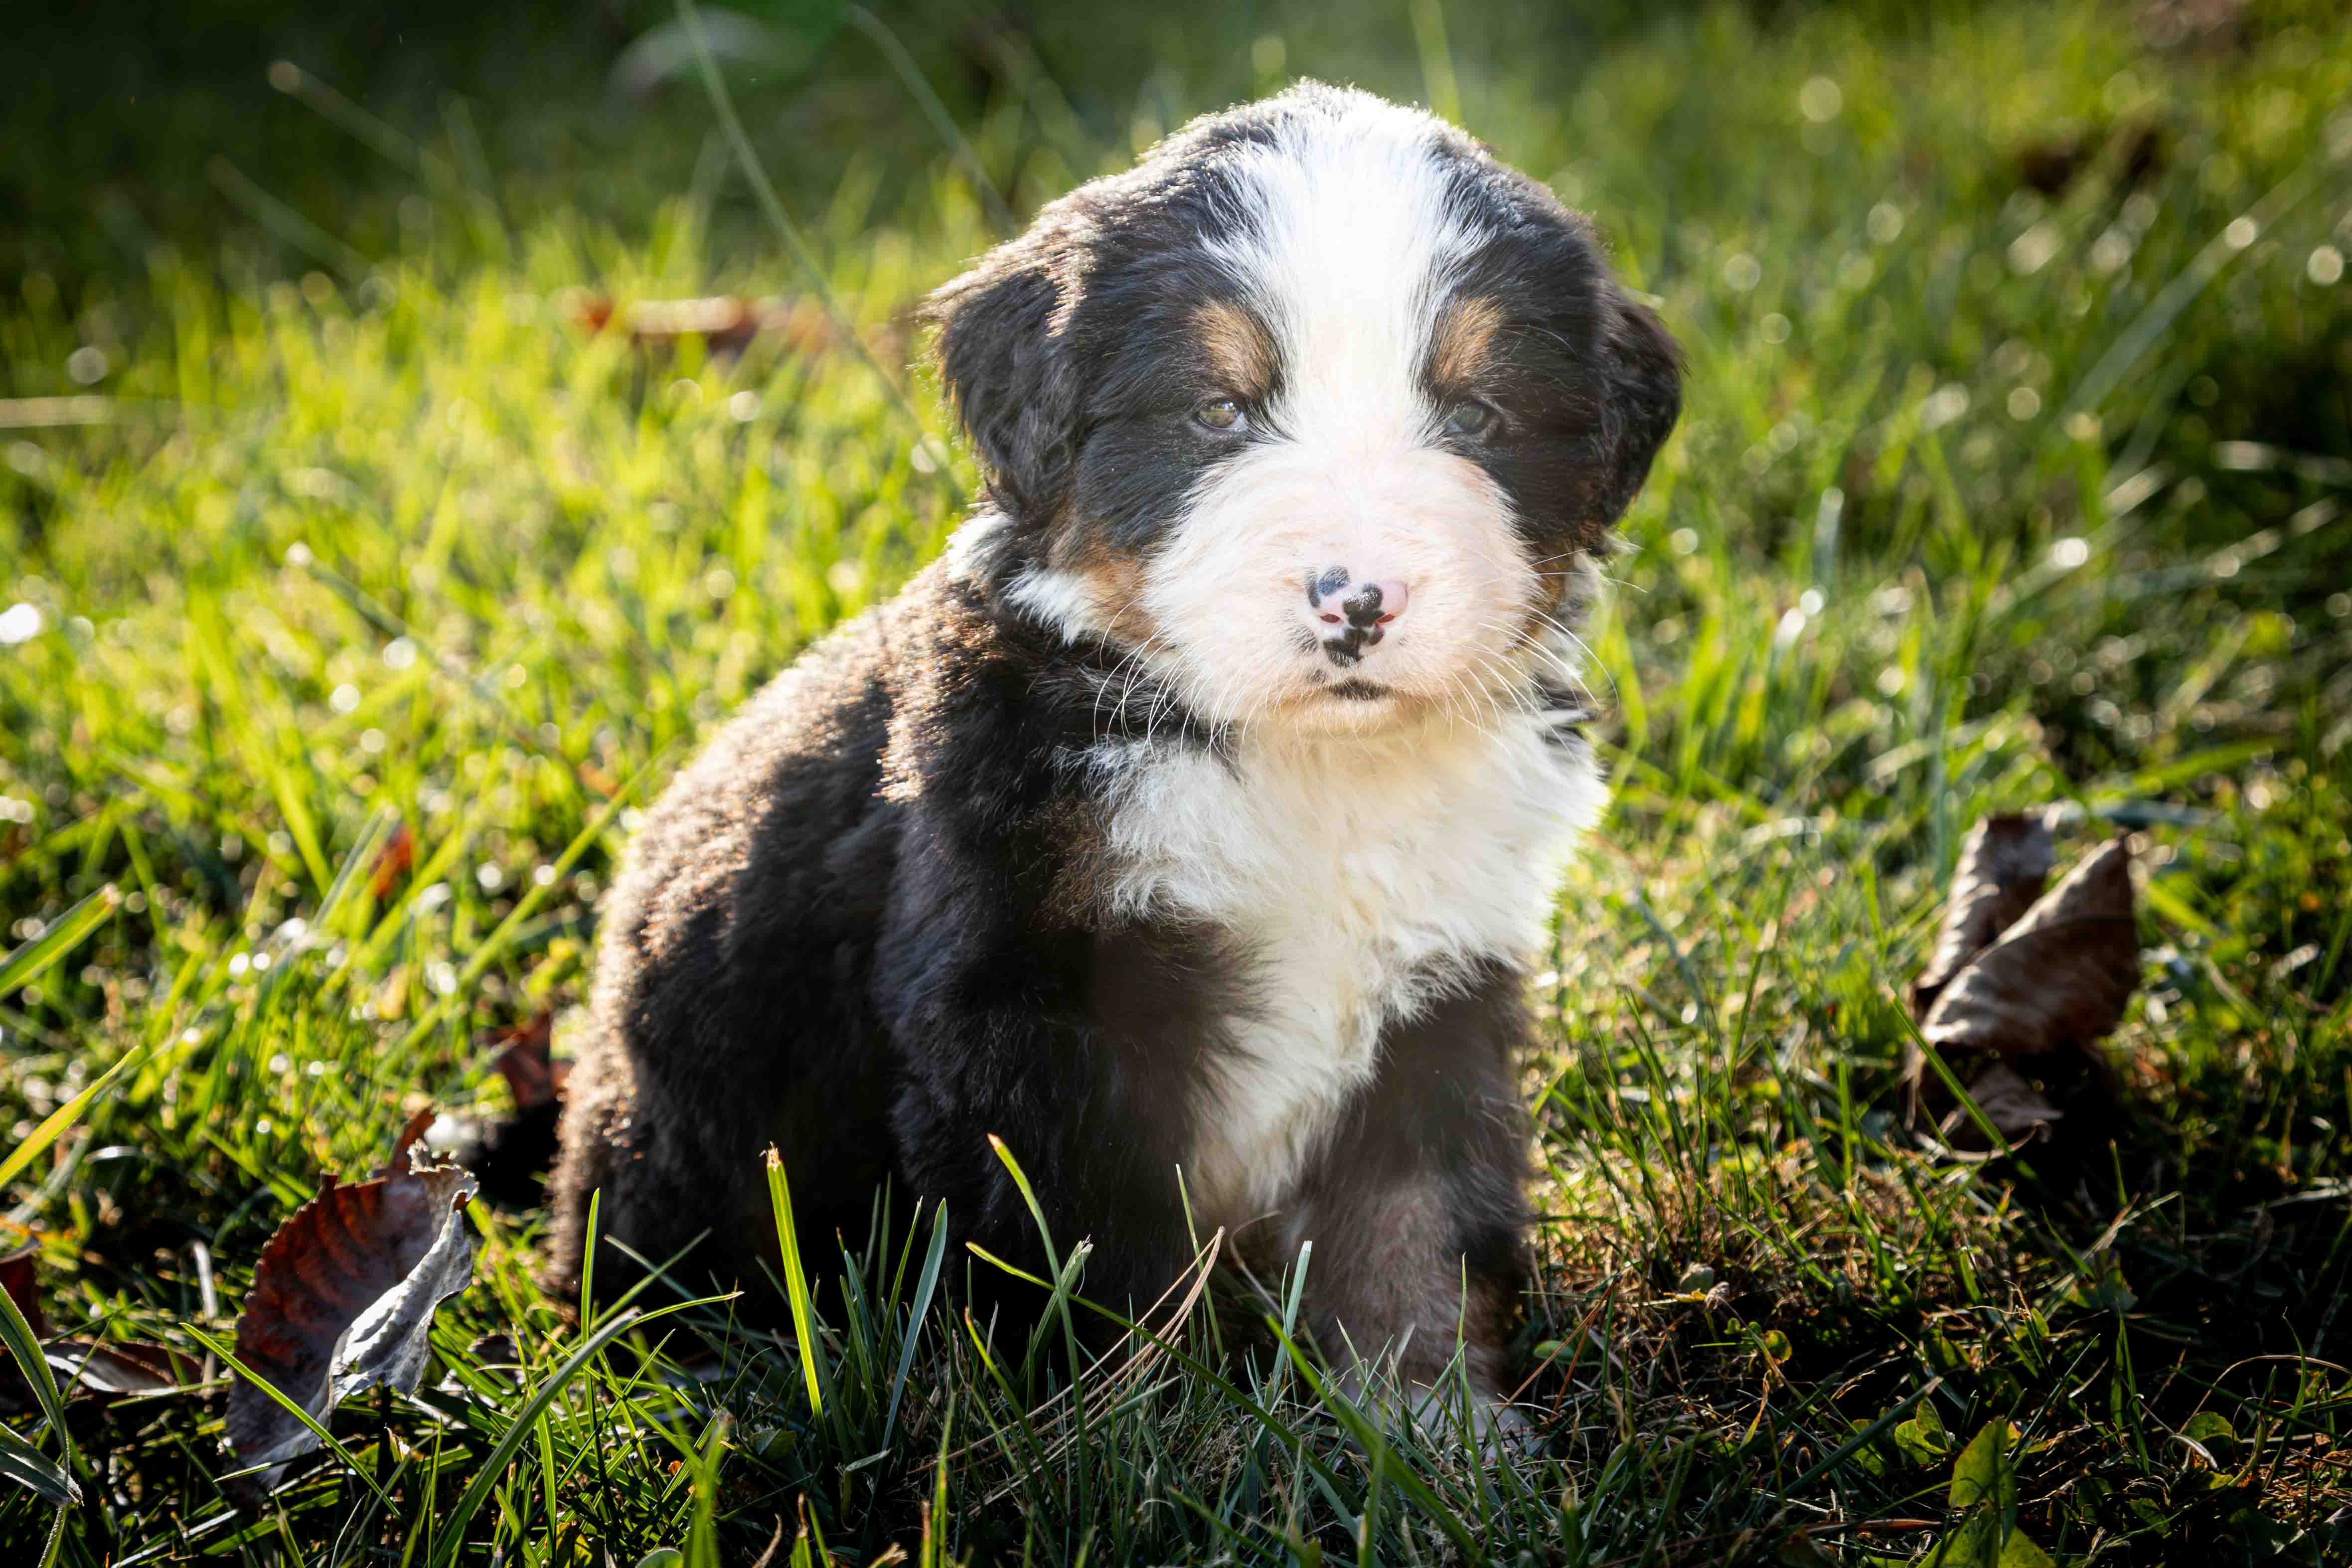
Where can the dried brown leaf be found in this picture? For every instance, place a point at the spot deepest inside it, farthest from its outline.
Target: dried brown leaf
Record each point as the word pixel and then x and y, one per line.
pixel 120 1367
pixel 416 1126
pixel 2016 1109
pixel 2058 978
pixel 532 1075
pixel 20 1279
pixel 392 862
pixel 95 1366
pixel 342 1299
pixel 2209 27
pixel 726 323
pixel 2004 864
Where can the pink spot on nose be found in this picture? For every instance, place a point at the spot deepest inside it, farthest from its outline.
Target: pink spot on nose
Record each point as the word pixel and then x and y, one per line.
pixel 1392 600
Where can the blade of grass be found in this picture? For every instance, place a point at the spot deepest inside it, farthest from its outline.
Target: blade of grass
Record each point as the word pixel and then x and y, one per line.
pixel 811 271
pixel 65 1116
pixel 450 1535
pixel 796 1289
pixel 58 938
pixel 924 1285
pixel 25 1348
pixel 1000 215
pixel 1369 1435
pixel 29 1467
pixel 1061 1293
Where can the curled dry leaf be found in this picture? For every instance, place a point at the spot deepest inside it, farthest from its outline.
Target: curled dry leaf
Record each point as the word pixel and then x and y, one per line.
pixel 19 1278
pixel 120 1367
pixel 2004 865
pixel 2017 973
pixel 526 1061
pixel 726 323
pixel 411 1130
pixel 344 1299
pixel 116 1368
pixel 2058 978
pixel 2018 1111
pixel 392 862
pixel 2210 27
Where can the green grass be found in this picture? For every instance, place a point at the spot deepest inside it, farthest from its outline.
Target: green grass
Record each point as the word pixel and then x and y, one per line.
pixel 1983 500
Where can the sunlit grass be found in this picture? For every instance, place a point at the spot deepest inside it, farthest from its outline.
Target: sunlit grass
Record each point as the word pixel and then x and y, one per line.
pixel 410 547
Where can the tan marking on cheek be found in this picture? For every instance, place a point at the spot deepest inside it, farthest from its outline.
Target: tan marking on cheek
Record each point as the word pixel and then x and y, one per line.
pixel 1465 342
pixel 1114 581
pixel 1118 583
pixel 1552 582
pixel 1239 357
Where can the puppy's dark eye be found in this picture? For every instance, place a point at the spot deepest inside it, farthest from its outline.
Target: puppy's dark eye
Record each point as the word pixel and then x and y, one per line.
pixel 1222 414
pixel 1471 419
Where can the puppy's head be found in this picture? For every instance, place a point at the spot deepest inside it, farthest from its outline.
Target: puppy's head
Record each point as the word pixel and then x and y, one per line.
pixel 1315 411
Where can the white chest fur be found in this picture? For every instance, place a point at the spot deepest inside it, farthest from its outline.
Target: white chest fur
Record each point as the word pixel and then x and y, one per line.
pixel 1363 878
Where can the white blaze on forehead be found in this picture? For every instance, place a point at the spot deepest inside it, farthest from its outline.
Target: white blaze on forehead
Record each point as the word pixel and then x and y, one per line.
pixel 1348 253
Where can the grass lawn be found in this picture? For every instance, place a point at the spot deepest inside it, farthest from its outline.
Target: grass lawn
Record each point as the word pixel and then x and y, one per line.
pixel 1988 497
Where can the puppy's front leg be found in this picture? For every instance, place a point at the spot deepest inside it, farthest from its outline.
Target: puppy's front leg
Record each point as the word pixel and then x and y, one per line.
pixel 1019 1036
pixel 1418 1211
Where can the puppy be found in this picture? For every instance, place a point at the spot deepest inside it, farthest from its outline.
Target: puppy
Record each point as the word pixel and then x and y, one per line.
pixel 1189 825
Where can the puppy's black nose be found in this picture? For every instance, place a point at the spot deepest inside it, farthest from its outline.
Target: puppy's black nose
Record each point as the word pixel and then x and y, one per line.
pixel 1374 604
pixel 1349 619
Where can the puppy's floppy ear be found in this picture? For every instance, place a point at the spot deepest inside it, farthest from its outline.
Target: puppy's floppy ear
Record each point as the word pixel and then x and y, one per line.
pixel 1644 375
pixel 1003 350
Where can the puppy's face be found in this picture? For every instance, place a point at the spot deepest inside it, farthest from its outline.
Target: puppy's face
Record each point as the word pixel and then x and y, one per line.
pixel 1313 413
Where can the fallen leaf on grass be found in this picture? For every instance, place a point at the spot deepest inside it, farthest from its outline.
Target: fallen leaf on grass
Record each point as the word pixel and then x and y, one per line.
pixel 414 1128
pixel 2210 26
pixel 18 1278
pixel 392 862
pixel 2017 1110
pixel 525 1060
pixel 344 1299
pixel 2018 973
pixel 2004 865
pixel 726 323
pixel 113 1368
pixel 120 1367
pixel 2057 978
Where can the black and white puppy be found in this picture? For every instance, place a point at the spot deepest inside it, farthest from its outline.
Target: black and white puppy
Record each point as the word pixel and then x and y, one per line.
pixel 1191 824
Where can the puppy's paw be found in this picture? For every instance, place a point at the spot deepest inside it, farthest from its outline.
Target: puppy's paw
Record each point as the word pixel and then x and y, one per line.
pixel 1493 1427
pixel 1448 1415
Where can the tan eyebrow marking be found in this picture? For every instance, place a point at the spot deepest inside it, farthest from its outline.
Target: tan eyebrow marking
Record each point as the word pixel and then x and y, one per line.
pixel 1239 353
pixel 1464 341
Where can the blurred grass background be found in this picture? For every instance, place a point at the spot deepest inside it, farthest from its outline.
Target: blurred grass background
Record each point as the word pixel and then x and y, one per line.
pixel 2014 469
